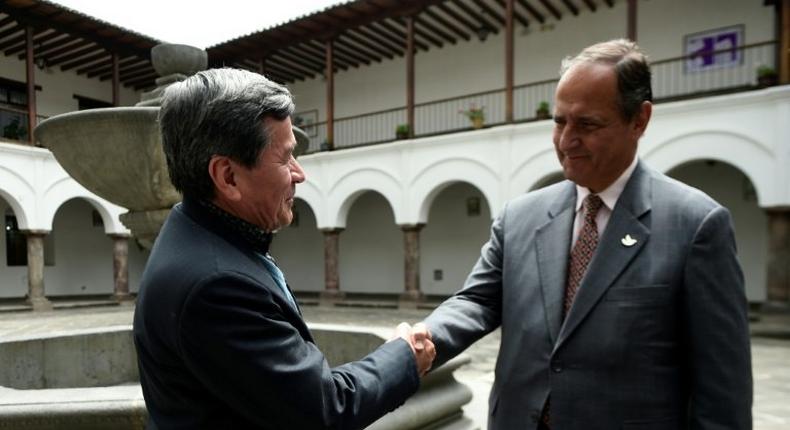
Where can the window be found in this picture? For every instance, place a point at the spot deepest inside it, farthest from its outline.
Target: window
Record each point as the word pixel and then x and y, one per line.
pixel 13 109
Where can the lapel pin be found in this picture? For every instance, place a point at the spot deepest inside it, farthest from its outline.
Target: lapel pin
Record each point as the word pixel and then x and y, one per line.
pixel 628 240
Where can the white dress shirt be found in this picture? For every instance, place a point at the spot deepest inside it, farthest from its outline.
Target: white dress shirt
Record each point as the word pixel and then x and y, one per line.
pixel 609 197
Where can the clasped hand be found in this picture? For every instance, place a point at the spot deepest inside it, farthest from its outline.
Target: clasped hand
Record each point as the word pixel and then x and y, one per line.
pixel 419 338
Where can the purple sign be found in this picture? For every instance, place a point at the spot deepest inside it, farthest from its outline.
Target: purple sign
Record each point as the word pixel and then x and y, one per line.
pixel 714 49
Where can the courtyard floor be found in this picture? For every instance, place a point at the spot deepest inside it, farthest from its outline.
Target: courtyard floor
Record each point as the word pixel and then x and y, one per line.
pixel 770 349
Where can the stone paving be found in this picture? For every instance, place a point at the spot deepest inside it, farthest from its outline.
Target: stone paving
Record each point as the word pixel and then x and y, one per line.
pixel 770 350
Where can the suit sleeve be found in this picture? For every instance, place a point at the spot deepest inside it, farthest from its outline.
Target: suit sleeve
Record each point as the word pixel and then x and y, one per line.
pixel 719 356
pixel 234 337
pixel 476 309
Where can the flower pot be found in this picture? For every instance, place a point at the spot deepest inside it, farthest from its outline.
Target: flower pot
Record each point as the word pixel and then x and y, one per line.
pixel 542 114
pixel 477 123
pixel 767 81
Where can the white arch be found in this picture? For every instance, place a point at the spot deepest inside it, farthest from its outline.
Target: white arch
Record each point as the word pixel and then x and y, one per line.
pixel 742 152
pixel 66 189
pixel 532 170
pixel 14 184
pixel 435 177
pixel 311 195
pixel 352 185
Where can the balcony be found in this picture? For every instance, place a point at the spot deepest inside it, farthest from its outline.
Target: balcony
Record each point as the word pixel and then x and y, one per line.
pixel 699 75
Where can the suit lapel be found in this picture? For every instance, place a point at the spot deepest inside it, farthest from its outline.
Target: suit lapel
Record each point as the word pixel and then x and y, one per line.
pixel 612 256
pixel 553 246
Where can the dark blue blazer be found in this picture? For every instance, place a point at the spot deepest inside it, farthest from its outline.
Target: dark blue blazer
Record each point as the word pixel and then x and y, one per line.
pixel 220 346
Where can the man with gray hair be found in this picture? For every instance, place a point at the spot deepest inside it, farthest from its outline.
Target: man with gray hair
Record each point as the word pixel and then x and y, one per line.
pixel 618 291
pixel 220 339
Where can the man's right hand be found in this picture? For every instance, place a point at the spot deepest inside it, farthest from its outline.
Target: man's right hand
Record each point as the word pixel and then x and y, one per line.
pixel 421 345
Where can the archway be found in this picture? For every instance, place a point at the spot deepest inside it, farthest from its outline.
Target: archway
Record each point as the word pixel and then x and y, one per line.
pixel 13 254
pixel 547 180
pixel 733 189
pixel 458 225
pixel 371 248
pixel 83 253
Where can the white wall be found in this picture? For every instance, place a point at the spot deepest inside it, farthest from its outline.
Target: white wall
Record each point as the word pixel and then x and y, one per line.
pixel 732 189
pixel 451 239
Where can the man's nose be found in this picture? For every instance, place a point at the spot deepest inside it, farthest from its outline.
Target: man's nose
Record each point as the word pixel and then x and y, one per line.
pixel 297 173
pixel 568 138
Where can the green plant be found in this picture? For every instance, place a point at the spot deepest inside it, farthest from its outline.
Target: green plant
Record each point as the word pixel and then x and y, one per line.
pixel 14 130
pixel 402 131
pixel 543 106
pixel 764 71
pixel 474 112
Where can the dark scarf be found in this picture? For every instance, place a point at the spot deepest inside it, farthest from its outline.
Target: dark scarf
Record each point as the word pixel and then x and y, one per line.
pixel 257 238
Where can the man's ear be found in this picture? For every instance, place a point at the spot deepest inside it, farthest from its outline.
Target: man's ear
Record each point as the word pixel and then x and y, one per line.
pixel 642 118
pixel 222 172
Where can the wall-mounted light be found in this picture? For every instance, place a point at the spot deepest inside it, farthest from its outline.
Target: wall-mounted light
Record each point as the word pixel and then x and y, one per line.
pixel 40 62
pixel 482 32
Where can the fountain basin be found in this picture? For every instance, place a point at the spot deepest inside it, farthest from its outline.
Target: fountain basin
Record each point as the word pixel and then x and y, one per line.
pixel 88 379
pixel 116 153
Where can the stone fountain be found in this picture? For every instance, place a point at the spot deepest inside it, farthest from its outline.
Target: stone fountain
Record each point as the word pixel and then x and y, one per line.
pixel 116 153
pixel 88 379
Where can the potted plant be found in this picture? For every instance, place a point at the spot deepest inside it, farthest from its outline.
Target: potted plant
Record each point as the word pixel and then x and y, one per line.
pixel 475 114
pixel 766 76
pixel 325 145
pixel 542 112
pixel 402 131
pixel 14 130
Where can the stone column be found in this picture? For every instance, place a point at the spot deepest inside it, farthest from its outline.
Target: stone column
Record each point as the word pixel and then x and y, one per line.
pixel 778 264
pixel 331 293
pixel 120 267
pixel 35 270
pixel 411 261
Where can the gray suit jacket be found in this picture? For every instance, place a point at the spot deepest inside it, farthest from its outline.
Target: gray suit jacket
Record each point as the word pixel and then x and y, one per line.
pixel 657 337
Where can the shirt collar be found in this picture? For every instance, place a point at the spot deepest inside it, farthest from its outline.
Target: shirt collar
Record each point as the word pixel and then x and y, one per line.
pixel 611 193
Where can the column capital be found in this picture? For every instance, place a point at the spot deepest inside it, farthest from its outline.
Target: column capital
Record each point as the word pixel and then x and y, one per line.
pixel 411 227
pixel 33 232
pixel 119 235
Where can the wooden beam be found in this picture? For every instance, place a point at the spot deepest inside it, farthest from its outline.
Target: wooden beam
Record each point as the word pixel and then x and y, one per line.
pixel 67 47
pixel 307 61
pixel 11 30
pixel 96 65
pixel 609 3
pixel 391 27
pixel 396 49
pixel 378 50
pixel 352 57
pixel 476 16
pixel 296 69
pixel 71 55
pixel 571 7
pixel 534 12
pixel 631 25
pixel 31 84
pixel 591 5
pixel 456 16
pixel 116 80
pixel 509 27
pixel 488 10
pixel 330 95
pixel 410 74
pixel 434 29
pixel 517 16
pixel 142 80
pixel 83 60
pixel 549 7
pixel 7 20
pixel 447 24
pixel 44 49
pixel 39 40
pixel 13 42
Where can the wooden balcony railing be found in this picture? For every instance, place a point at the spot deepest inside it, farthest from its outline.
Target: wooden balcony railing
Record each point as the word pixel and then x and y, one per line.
pixel 674 78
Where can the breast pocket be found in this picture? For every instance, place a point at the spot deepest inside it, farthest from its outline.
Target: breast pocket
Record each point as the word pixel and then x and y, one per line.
pixel 651 295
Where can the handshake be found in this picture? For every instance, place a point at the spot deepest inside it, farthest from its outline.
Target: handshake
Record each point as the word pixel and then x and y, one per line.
pixel 419 338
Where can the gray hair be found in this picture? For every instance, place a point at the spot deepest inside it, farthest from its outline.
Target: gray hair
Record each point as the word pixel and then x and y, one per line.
pixel 630 65
pixel 217 112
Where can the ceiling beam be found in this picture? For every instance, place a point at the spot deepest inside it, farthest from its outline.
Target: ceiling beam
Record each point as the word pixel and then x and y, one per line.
pixel 590 5
pixel 571 7
pixel 552 9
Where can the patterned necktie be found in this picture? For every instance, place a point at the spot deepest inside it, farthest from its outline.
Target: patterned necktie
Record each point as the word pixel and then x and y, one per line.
pixel 583 250
pixel 278 276
pixel 581 254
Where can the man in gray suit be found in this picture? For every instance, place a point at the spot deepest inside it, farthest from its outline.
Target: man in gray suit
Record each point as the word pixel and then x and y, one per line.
pixel 618 291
